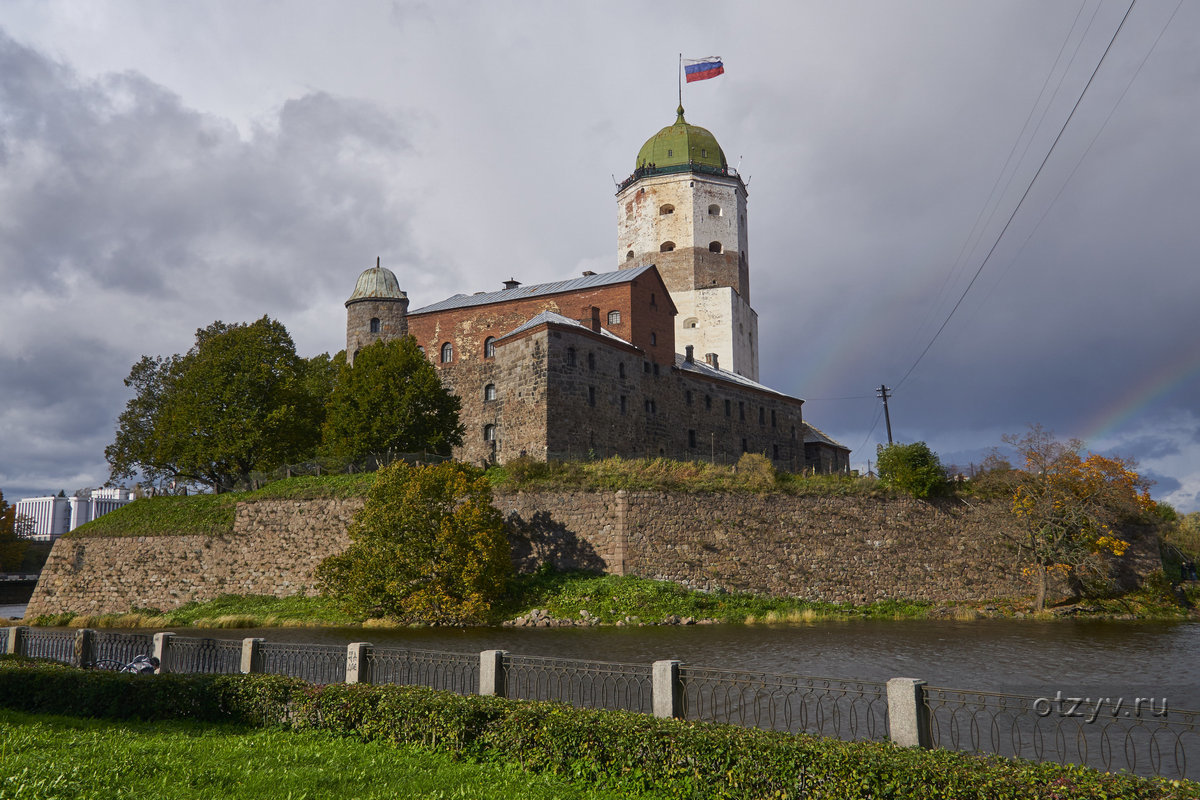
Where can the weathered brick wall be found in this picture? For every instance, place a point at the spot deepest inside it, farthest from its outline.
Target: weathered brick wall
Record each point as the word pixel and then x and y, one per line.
pixel 821 548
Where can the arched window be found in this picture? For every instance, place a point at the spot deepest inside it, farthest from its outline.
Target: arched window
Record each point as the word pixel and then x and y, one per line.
pixel 691 322
pixel 489 347
pixel 666 247
pixel 714 210
pixel 714 247
pixel 447 353
pixel 667 209
pixel 374 324
pixel 489 433
pixel 614 318
pixel 570 356
pixel 629 256
pixel 621 370
pixel 489 392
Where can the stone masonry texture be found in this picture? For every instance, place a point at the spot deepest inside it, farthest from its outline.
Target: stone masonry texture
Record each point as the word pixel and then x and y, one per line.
pixel 835 549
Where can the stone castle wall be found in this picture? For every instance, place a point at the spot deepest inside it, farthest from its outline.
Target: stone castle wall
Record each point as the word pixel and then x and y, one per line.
pixel 820 548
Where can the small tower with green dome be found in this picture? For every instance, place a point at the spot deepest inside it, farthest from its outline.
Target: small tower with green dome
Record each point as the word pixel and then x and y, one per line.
pixel 683 209
pixel 377 310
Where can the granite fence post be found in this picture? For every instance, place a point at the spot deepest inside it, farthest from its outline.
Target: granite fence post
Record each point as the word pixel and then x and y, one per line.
pixel 16 635
pixel 85 647
pixel 493 678
pixel 358 667
pixel 667 690
pixel 251 655
pixel 908 716
pixel 162 651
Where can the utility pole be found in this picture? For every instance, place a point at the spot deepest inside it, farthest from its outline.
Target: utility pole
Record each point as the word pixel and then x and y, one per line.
pixel 882 391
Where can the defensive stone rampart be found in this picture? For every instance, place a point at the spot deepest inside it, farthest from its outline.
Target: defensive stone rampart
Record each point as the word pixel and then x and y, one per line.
pixel 847 549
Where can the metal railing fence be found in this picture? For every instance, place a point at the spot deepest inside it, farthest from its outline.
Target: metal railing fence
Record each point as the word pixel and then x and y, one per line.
pixel 1140 735
pixel 584 684
pixel 843 709
pixel 447 672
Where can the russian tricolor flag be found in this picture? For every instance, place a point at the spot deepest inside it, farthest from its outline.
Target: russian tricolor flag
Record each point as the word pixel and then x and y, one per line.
pixel 701 69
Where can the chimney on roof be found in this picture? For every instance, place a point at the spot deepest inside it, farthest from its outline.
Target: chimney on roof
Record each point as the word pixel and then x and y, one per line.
pixel 587 273
pixel 688 357
pixel 590 318
pixel 511 283
pixel 711 360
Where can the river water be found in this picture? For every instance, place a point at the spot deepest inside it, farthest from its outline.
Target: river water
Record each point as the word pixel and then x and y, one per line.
pixel 1079 658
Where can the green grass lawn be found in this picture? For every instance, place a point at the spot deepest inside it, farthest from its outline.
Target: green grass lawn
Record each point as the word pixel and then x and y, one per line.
pixel 65 758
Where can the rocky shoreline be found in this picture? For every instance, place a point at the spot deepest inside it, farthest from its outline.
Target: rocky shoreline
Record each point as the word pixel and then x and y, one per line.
pixel 541 618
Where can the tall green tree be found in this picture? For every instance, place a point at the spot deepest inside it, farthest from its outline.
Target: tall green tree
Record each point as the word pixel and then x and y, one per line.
pixel 239 400
pixel 427 546
pixel 390 399
pixel 12 544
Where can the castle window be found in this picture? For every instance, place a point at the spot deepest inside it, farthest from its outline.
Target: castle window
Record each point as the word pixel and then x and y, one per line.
pixel 708 401
pixel 793 433
pixel 653 304
pixel 742 410
pixel 570 356
pixel 656 370
pixel 489 347
pixel 691 322
pixel 714 247
pixel 489 433
pixel 653 338
pixel 714 210
pixel 775 452
pixel 745 448
pixel 374 324
pixel 688 396
pixel 762 416
pixel 629 256
pixel 624 401
pixel 591 360
pixel 592 396
pixel 621 370
pixel 447 353
pixel 704 154
pixel 666 247
pixel 691 438
pixel 614 318
pixel 646 367
pixel 667 209
pixel 670 153
pixel 727 409
pixel 489 392
pixel 772 418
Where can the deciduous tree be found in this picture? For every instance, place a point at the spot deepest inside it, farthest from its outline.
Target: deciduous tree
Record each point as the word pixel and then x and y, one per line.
pixel 1070 507
pixel 239 400
pixel 391 399
pixel 12 544
pixel 427 546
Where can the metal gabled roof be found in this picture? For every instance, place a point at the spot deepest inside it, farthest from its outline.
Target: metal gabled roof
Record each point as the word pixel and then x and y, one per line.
pixel 539 290
pixel 559 319
pixel 703 368
pixel 813 434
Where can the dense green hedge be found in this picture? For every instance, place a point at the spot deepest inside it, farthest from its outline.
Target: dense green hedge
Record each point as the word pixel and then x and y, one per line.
pixel 677 759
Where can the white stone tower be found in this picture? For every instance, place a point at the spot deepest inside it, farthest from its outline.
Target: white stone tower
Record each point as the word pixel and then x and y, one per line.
pixel 684 210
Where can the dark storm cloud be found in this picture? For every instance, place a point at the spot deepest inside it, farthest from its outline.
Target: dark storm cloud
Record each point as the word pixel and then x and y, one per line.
pixel 125 211
pixel 117 179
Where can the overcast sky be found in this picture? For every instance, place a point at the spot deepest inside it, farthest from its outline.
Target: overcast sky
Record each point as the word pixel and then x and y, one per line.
pixel 164 165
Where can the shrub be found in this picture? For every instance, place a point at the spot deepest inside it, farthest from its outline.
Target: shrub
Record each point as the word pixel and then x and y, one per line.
pixel 912 468
pixel 427 546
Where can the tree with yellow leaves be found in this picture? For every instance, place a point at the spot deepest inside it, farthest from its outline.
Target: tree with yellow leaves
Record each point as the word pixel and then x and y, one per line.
pixel 1071 507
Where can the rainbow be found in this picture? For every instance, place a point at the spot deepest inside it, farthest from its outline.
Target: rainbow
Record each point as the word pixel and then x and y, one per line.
pixel 1165 380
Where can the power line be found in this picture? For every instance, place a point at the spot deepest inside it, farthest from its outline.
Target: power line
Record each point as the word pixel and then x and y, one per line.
pixel 1024 195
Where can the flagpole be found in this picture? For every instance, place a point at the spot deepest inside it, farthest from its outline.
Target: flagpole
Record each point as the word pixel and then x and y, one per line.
pixel 679 79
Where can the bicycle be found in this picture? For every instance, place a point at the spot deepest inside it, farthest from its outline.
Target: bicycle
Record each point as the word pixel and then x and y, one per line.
pixel 141 665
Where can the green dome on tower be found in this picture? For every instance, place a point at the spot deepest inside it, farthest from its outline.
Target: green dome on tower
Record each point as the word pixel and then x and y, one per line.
pixel 680 144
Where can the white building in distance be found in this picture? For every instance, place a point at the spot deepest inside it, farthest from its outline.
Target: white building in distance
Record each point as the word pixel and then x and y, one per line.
pixel 53 516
